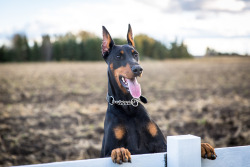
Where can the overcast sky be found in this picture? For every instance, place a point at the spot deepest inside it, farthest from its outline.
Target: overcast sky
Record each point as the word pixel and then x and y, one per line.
pixel 220 24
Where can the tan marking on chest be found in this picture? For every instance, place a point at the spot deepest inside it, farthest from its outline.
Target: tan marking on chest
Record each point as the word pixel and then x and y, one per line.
pixel 152 129
pixel 119 132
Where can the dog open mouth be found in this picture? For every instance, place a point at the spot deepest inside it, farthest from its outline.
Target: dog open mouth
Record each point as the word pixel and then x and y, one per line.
pixel 131 86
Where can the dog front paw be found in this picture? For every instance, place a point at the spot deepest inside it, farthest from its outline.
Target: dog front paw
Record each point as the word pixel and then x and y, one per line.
pixel 207 151
pixel 120 155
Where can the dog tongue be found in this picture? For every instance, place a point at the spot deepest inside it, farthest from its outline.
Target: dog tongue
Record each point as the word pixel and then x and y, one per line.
pixel 134 87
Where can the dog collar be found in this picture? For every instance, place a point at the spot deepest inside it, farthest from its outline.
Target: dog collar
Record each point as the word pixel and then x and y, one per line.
pixel 134 101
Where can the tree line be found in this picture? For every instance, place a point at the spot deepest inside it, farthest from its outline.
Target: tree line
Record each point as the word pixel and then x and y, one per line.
pixel 213 52
pixel 83 46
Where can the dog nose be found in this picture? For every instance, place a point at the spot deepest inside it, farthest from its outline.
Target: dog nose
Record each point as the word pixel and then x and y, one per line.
pixel 137 70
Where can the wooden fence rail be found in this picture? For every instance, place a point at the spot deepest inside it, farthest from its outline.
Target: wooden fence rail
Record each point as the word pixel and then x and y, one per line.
pixel 183 151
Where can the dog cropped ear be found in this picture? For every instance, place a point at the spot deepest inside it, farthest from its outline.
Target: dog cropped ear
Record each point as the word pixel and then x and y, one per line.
pixel 107 43
pixel 130 36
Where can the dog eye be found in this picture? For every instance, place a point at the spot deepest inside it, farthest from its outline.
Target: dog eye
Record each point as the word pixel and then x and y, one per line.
pixel 136 55
pixel 118 57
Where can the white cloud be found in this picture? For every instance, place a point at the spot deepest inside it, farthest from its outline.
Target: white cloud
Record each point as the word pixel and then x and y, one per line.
pixel 224 5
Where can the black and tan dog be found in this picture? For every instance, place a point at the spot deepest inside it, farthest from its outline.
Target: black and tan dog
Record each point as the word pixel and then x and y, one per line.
pixel 128 129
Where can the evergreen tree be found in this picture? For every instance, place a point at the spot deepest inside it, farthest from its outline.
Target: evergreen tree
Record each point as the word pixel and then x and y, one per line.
pixel 91 52
pixel 20 48
pixel 179 51
pixel 3 54
pixel 148 47
pixel 36 52
pixel 46 48
pixel 160 51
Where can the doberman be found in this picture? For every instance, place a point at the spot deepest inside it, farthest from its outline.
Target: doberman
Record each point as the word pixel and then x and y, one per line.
pixel 128 129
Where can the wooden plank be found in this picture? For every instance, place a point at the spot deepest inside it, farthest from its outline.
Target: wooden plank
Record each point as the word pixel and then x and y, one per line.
pixel 229 157
pixel 184 151
pixel 145 160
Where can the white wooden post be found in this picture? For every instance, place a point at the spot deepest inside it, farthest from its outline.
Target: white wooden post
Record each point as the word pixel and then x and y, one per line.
pixel 184 151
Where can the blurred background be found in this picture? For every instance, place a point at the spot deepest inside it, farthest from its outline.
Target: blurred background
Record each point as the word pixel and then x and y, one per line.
pixel 53 81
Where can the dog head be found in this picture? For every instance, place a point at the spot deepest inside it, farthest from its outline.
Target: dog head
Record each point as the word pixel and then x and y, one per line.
pixel 123 63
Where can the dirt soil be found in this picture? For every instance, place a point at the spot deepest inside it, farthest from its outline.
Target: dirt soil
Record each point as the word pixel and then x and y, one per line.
pixel 55 111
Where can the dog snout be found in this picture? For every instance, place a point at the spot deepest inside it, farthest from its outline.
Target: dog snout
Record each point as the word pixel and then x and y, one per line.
pixel 137 70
